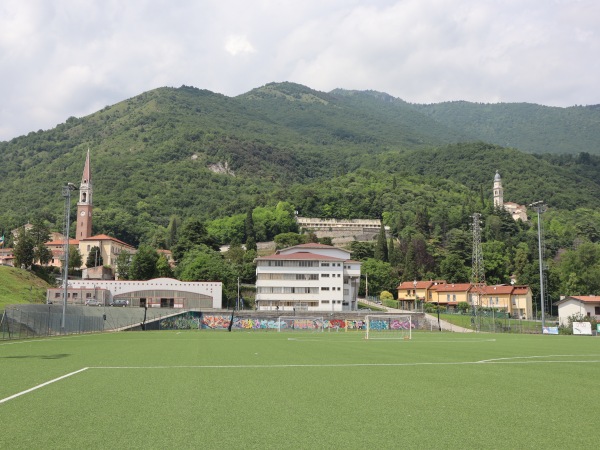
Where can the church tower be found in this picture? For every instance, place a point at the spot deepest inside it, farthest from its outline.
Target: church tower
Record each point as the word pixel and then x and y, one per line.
pixel 84 205
pixel 498 192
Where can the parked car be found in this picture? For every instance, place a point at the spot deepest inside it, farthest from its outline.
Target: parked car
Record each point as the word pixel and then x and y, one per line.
pixel 93 302
pixel 119 303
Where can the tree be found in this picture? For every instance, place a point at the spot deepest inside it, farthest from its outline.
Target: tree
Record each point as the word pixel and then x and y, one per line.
pixel 94 258
pixel 285 240
pixel 381 276
pixel 24 251
pixel 204 264
pixel 75 259
pixel 39 235
pixel 123 265
pixel 192 234
pixel 163 268
pixel 143 263
pixel 453 269
pixel 381 248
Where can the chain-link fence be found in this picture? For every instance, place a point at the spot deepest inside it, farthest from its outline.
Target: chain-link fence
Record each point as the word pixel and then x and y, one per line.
pixel 17 323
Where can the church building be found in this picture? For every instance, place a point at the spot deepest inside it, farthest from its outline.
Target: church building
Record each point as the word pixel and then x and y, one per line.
pixel 518 212
pixel 110 247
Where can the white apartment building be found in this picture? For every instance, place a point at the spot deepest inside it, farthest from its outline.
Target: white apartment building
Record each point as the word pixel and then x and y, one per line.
pixel 307 277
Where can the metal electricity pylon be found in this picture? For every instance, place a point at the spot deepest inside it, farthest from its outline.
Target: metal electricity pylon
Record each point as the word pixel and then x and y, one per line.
pixel 477 268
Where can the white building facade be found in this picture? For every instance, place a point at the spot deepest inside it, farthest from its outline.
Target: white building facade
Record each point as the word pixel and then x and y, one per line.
pixel 578 305
pixel 155 293
pixel 307 277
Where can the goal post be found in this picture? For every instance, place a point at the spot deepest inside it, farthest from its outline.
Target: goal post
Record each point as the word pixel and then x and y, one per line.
pixel 388 326
pixel 300 324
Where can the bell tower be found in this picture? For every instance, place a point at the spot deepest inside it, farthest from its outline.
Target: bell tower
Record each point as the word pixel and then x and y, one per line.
pixel 84 205
pixel 498 192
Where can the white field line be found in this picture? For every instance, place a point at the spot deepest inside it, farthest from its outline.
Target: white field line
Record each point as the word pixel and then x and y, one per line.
pixel 286 366
pixel 42 385
pixel 512 358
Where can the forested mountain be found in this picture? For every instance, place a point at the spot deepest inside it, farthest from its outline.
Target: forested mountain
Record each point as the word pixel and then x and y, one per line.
pixel 188 169
pixel 528 127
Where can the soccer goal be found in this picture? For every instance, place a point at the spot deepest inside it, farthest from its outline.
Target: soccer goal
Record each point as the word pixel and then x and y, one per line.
pixel 388 326
pixel 300 324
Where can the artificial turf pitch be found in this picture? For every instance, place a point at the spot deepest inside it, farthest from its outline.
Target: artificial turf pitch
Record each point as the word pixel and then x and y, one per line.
pixel 206 389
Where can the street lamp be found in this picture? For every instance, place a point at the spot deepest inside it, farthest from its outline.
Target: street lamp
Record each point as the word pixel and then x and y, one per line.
pixel 415 292
pixel 66 192
pixel 540 207
pixel 438 314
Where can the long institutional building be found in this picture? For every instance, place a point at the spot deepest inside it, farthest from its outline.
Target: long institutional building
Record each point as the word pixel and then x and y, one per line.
pixel 307 277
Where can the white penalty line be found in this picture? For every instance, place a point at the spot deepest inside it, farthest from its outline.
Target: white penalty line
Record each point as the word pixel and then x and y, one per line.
pixel 42 385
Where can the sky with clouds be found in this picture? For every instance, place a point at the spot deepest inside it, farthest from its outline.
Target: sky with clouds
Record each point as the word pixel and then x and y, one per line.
pixel 62 58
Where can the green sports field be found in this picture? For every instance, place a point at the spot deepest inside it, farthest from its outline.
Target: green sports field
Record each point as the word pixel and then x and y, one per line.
pixel 206 389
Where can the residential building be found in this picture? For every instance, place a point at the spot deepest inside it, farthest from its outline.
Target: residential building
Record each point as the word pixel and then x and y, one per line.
pixel 515 300
pixel 307 277
pixel 578 305
pixel 412 294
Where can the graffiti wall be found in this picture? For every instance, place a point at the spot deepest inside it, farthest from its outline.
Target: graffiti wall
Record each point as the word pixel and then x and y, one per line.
pixel 196 320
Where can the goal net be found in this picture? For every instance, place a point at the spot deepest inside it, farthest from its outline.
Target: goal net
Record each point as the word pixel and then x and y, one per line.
pixel 388 326
pixel 300 324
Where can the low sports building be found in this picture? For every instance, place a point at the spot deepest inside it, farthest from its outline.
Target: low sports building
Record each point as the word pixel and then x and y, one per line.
pixel 155 293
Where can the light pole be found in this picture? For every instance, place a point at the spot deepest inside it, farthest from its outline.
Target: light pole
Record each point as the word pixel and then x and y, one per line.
pixel 415 292
pixel 66 192
pixel 438 314
pixel 540 207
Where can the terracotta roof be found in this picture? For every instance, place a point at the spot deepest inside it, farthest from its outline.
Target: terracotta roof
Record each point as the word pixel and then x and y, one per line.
pixel 300 256
pixel 104 237
pixel 521 290
pixel 420 284
pixel 87 173
pixel 500 289
pixel 62 242
pixel 585 298
pixel 452 287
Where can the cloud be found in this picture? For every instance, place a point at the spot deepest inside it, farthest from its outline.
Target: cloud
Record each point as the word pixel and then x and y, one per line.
pixel 71 58
pixel 235 45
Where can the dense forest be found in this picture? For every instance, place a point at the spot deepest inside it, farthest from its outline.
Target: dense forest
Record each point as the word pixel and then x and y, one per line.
pixel 189 170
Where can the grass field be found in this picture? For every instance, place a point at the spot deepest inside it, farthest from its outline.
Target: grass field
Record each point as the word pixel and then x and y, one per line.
pixel 299 390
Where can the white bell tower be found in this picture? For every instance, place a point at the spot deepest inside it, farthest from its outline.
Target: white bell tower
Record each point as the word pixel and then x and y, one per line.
pixel 498 192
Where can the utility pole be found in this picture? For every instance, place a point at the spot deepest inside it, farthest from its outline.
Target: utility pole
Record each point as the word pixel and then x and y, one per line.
pixel 66 192
pixel 540 207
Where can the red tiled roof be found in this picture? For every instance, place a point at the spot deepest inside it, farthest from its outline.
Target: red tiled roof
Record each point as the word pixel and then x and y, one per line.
pixel 450 287
pixel 501 289
pixel 586 298
pixel 420 284
pixel 300 256
pixel 104 237
pixel 62 242
pixel 521 290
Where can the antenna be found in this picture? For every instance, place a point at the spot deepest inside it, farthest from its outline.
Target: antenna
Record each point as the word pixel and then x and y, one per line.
pixel 477 268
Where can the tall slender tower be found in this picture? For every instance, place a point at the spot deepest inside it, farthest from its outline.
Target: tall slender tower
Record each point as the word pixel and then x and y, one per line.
pixel 84 205
pixel 498 192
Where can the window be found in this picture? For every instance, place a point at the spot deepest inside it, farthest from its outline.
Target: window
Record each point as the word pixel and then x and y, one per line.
pixel 88 295
pixel 324 288
pixel 447 297
pixel 57 295
pixel 325 302
pixel 597 310
pixel 453 297
pixel 324 264
pixel 324 275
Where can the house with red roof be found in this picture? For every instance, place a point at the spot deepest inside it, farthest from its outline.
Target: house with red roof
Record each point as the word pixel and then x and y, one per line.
pixel 307 277
pixel 578 305
pixel 515 300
